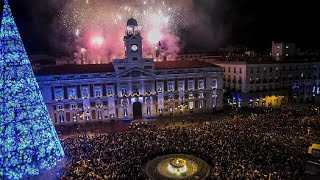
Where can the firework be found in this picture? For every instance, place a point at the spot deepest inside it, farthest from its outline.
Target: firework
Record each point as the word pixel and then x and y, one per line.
pixel 160 21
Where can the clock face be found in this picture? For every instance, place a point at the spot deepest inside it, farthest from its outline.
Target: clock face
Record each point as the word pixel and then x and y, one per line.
pixel 134 48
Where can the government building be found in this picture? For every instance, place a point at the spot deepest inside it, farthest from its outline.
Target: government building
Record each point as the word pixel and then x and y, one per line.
pixel 130 88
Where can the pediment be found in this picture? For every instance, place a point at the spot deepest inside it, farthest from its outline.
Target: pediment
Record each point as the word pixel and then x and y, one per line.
pixel 135 73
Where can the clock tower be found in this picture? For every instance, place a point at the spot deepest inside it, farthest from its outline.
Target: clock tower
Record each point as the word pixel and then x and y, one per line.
pixel 133 51
pixel 133 41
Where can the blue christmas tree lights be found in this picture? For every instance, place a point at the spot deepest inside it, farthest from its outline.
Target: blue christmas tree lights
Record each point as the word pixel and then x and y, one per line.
pixel 29 144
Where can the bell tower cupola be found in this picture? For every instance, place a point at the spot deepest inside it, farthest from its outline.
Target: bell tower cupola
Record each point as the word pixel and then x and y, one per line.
pixel 133 41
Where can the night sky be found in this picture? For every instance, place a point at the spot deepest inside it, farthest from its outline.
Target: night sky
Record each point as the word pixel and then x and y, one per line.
pixel 248 22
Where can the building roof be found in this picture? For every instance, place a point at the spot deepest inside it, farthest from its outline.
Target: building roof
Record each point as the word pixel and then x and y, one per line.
pixel 181 65
pixel 75 69
pixel 104 68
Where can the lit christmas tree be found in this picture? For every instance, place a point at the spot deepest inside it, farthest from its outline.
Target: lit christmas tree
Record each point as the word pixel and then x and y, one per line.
pixel 29 144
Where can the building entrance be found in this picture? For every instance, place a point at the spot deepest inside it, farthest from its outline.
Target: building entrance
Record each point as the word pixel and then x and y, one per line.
pixel 137 110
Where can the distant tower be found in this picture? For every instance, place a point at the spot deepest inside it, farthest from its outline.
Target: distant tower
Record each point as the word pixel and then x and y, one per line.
pixel 29 144
pixel 133 41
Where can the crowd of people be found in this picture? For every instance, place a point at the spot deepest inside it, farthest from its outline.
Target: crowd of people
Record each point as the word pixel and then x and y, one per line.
pixel 255 144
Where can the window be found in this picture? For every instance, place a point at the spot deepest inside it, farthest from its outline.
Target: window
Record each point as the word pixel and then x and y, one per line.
pixel 85 92
pixel 201 95
pixel 160 87
pixel 264 69
pixel 201 84
pixel 99 105
pixel 74 117
pixel 234 70
pixel 97 92
pixel 100 115
pixel 72 93
pixel 135 89
pixel 160 111
pixel 125 112
pixel 251 70
pixel 214 84
pixel 191 96
pixel 181 86
pixel 240 70
pixel 191 105
pixel 270 69
pixel 61 118
pixel 191 85
pixel 228 69
pixel 87 116
pixel 149 110
pixel 201 104
pixel 171 98
pixel 73 106
pixel 109 91
pixel 277 69
pixel 170 86
pixel 134 59
pixel 148 90
pixel 258 70
pixel 60 108
pixel 287 47
pixel 58 93
pixel 124 91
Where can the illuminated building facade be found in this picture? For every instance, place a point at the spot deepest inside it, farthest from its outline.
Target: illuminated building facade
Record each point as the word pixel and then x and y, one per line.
pixel 130 88
pixel 269 83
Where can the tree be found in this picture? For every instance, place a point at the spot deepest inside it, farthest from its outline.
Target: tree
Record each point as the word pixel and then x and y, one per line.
pixel 29 144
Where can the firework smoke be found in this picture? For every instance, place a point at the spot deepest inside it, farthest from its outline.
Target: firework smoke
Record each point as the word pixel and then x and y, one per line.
pixel 167 26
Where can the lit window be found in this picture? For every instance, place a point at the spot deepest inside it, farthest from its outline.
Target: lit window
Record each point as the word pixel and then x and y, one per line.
pixel 181 86
pixel 72 93
pixel 191 105
pixel 201 84
pixel 125 112
pixel 287 47
pixel 191 85
pixel 110 91
pixel 85 92
pixel 58 93
pixel 201 104
pixel 191 96
pixel 99 115
pixel 214 84
pixel 61 118
pixel 170 86
pixel 278 54
pixel 287 54
pixel 278 47
pixel 123 90
pixel 136 89
pixel 97 92
pixel 201 95
pixel 148 110
pixel 170 98
pixel 160 88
